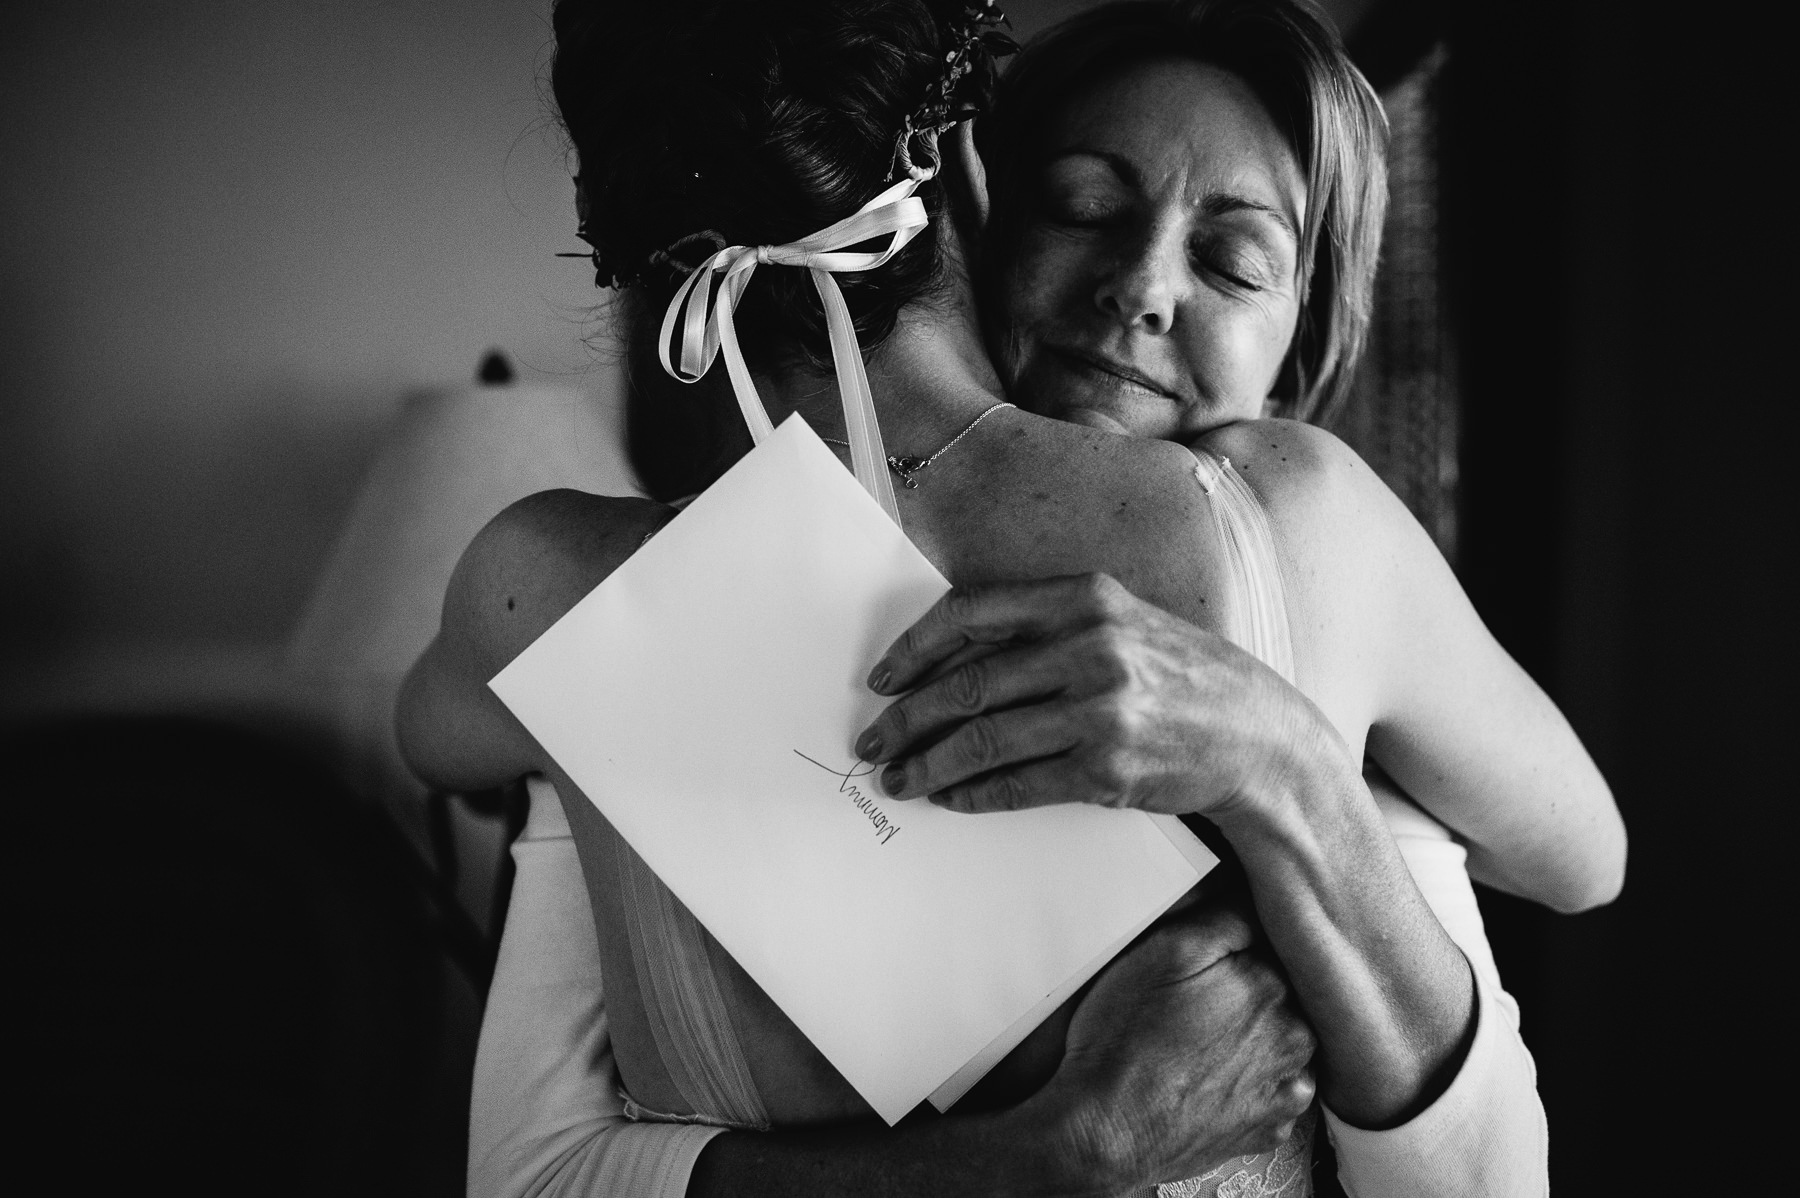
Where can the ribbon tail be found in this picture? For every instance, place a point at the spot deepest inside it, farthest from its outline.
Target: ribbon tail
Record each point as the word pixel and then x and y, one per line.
pixel 699 340
pixel 756 417
pixel 868 456
pixel 677 307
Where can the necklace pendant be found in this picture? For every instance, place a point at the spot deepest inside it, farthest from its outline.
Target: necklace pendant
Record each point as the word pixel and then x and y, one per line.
pixel 906 468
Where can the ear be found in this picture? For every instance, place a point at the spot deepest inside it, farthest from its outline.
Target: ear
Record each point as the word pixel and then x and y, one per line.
pixel 964 180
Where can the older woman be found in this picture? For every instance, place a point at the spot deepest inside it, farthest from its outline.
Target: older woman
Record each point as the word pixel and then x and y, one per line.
pixel 765 123
pixel 1187 213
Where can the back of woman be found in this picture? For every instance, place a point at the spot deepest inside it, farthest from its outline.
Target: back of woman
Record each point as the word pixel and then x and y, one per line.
pixel 1018 497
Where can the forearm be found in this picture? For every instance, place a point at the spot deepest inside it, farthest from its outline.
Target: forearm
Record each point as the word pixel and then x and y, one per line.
pixel 1484 1136
pixel 996 1154
pixel 1388 993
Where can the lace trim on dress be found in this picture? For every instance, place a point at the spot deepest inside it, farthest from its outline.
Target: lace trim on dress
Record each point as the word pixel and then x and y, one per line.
pixel 688 1016
pixel 1284 1173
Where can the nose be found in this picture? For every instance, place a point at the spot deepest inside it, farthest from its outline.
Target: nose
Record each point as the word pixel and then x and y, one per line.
pixel 1144 286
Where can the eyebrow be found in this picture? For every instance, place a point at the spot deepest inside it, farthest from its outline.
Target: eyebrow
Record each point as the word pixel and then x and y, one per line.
pixel 1221 203
pixel 1217 203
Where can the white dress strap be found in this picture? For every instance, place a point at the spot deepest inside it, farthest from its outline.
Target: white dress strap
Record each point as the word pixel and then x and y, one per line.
pixel 1256 604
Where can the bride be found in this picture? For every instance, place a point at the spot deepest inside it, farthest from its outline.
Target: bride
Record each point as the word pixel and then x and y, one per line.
pixel 707 126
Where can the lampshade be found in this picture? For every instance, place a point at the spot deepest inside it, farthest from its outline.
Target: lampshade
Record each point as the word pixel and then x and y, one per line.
pixel 453 459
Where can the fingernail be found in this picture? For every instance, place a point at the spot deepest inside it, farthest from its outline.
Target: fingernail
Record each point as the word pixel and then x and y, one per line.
pixel 880 676
pixel 868 745
pixel 893 779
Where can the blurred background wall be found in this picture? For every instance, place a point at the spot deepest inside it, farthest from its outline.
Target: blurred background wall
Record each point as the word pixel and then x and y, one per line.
pixel 1623 281
pixel 232 238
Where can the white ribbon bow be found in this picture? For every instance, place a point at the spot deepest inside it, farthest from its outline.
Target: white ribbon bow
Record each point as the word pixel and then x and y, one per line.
pixel 706 326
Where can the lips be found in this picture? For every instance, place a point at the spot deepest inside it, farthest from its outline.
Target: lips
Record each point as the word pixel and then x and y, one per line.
pixel 1110 366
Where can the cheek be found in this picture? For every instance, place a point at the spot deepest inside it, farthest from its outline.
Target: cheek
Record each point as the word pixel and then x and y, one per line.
pixel 1236 356
pixel 1045 281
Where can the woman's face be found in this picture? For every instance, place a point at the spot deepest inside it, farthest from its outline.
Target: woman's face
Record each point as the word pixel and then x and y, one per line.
pixel 1154 290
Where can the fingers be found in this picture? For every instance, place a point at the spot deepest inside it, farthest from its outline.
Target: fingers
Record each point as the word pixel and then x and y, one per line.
pixel 986 683
pixel 1185 951
pixel 1006 761
pixel 1039 784
pixel 994 613
pixel 1208 932
pixel 1297 1092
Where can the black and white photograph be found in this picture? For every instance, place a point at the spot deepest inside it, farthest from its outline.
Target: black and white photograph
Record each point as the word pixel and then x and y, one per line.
pixel 904 598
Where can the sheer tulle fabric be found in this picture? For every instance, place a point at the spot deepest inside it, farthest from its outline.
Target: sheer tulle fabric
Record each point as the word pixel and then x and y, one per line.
pixel 689 1019
pixel 1256 607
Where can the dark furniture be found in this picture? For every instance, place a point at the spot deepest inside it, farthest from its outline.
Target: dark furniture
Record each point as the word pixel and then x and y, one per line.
pixel 236 977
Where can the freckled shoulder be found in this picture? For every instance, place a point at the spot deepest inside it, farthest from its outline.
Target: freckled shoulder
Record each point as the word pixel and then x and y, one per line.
pixel 1320 496
pixel 1123 506
pixel 536 560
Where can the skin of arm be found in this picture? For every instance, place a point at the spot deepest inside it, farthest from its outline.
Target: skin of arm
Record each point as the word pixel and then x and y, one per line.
pixel 1452 718
pixel 532 563
pixel 1094 696
pixel 1395 648
pixel 1148 711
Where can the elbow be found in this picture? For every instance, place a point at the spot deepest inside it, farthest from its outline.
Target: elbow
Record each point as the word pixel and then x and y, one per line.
pixel 1601 882
pixel 1589 898
pixel 419 729
pixel 453 735
pixel 421 719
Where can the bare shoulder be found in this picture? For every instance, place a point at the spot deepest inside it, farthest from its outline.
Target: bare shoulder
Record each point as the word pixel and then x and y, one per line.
pixel 1287 462
pixel 1321 497
pixel 1354 562
pixel 536 560
pixel 1075 500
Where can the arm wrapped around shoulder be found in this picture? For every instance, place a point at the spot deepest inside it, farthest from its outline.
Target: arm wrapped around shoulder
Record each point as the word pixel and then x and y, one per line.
pixel 532 563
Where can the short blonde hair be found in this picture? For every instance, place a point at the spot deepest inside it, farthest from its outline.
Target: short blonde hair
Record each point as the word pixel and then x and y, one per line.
pixel 1290 56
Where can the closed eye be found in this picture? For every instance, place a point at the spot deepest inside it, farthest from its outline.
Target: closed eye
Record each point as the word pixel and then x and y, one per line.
pixel 1082 190
pixel 1231 264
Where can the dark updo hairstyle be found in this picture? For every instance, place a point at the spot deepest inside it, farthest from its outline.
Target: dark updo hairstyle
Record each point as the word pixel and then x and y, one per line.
pixel 762 121
pixel 1292 59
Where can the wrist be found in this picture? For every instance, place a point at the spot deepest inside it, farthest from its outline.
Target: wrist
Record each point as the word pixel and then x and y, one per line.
pixel 1307 775
pixel 1060 1147
pixel 1387 992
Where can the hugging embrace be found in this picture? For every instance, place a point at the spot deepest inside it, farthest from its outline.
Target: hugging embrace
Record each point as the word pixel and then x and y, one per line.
pixel 1172 593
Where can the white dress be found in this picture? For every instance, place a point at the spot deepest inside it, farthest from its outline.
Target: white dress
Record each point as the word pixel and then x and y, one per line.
pixel 549 1116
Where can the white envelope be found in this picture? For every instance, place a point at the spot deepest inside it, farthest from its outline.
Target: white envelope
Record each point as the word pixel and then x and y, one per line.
pixel 705 698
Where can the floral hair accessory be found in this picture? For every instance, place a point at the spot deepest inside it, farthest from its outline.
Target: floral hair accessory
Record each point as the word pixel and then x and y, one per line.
pixel 962 91
pixel 975 42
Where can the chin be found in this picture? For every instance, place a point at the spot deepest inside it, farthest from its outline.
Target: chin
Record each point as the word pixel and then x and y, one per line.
pixel 1054 394
pixel 1094 418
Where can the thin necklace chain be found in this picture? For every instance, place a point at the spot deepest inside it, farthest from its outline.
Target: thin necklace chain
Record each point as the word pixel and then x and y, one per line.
pixel 906 467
